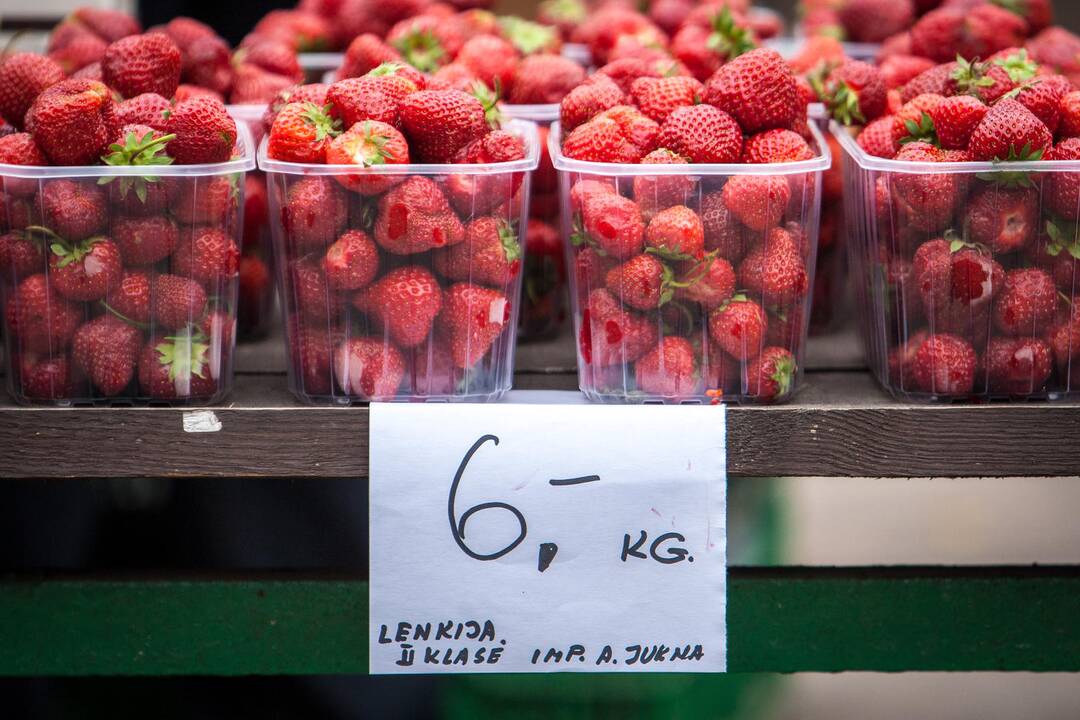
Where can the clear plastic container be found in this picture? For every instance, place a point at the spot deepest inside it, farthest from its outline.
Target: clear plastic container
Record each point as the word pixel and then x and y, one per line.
pixel 316 64
pixel 120 286
pixel 421 299
pixel 965 282
pixel 831 287
pixel 255 309
pixel 681 323
pixel 544 303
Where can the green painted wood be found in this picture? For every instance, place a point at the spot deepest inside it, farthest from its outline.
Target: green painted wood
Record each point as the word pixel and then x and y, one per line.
pixel 780 619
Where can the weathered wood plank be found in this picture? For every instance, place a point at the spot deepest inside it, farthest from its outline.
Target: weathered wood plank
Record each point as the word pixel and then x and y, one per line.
pixel 779 619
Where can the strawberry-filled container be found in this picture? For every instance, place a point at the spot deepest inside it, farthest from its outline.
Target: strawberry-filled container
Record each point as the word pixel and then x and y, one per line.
pixel 400 281
pixel 119 280
pixel 690 282
pixel 966 273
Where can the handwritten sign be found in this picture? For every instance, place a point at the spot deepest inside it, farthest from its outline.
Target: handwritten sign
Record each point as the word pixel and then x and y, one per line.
pixel 547 537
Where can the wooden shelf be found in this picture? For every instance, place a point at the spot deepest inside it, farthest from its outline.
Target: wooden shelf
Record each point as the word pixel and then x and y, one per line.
pixel 840 424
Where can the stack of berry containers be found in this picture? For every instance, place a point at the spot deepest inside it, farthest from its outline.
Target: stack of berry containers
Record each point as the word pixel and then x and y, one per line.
pixel 944 317
pixel 121 285
pixel 544 300
pixel 683 347
pixel 255 308
pixel 422 324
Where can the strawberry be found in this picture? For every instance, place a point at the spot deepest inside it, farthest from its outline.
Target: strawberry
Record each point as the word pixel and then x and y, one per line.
pixel 610 334
pixel 490 254
pixel 1062 193
pixel 643 282
pixel 72 210
pixel 955 119
pixel 955 278
pixel 273 57
pixel 872 21
pixel 1009 131
pixel 757 201
pixel 23 76
pixel 879 138
pixel 177 367
pixel 775 271
pixel 311 93
pixel 425 42
pixel 738 327
pixel 207 62
pixel 315 212
pixel 473 317
pixel 757 89
pixel 988 82
pixel 854 92
pixel 311 349
pixel 106 349
pixel 544 79
pixel 416 217
pixel 723 232
pixel 351 262
pixel 1069 111
pixel 369 368
pixel 81 53
pixel 604 139
pixel 185 92
pixel 256 294
pixel 21 254
pixel 455 76
pixel 1003 219
pixel 583 190
pixel 205 132
pixel 39 318
pixel 1026 303
pixel 669 369
pixel 85 269
pixel 70 121
pixel 184 31
pixel 404 303
pixel 771 375
pixel 474 194
pixel 47 378
pixel 139 64
pixel 944 364
pixel 676 233
pixel 20 149
pixel 705 46
pixel 439 123
pixel 371 97
pixel 302 132
pixel 208 255
pixel 710 283
pixel 365 53
pixel 145 240
pixel 148 109
pixel 312 294
pixel 944 33
pixel 528 38
pixel 702 134
pixel 898 70
pixel 658 97
pixel 927 199
pixel 1064 338
pixel 203 200
pixel 491 59
pixel 653 193
pixel 130 298
pixel 253 85
pixel 17 213
pixel 588 100
pixel 776 146
pixel 1043 97
pixel 935 81
pixel 109 25
pixel 1018 366
pixel 140 145
pixel 611 223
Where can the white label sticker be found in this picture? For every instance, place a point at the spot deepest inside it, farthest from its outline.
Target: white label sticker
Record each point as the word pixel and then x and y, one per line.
pixel 201 421
pixel 546 538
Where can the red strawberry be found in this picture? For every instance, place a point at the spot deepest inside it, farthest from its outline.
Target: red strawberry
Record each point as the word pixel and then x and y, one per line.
pixel 71 120
pixel 1010 132
pixel 185 92
pixel 1069 124
pixel 1062 193
pixel 145 240
pixel 311 93
pixel 256 294
pixel 491 59
pixel 207 62
pixel 1042 96
pixel 1002 219
pixel 955 279
pixel 643 282
pixel 658 97
pixel 207 255
pixel 757 88
pixel 776 146
pixel 23 76
pixel 205 132
pixel 988 82
pixel 203 200
pixel 252 85
pixel 1018 366
pixel 1064 338
pixel 40 318
pixel 301 133
pixel 474 194
pixel 371 97
pixel 142 64
pixel 710 283
pixel 898 70
pixel 945 33
pixel 416 217
pixel 934 81
pixel 613 224
pixel 473 318
pixel 273 57
pixel 72 210
pixel 879 138
pixel 454 76
pixel 771 375
pixel 404 302
pixel 928 199
pixel 738 327
pixel 669 369
pixel 945 365
pixel 438 123
pixel 84 270
pixel 490 254
pixel 872 21
pixel 48 378
pixel 20 149
pixel 110 25
pixel 591 267
pixel 368 368
pixel 1026 303
pixel 106 349
pixel 311 347
pixel 955 119
pixel 757 201
pixel 177 367
pixel 80 54
pixel 351 262
pixel 146 109
pixel 315 212
pixel 365 53
pixel 702 134
pixel 775 271
pixel 21 254
pixel 312 296
pixel 602 139
pixel 130 298
pixel 426 42
pixel 676 233
pixel 612 335
pixel 582 191
pixel 723 232
pixel 588 100
pixel 854 92
pixel 544 79
pixel 656 192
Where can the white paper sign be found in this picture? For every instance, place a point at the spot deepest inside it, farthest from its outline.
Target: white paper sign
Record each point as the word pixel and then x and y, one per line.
pixel 542 538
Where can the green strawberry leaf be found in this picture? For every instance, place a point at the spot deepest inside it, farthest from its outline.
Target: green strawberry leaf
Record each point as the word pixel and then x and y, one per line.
pixel 727 37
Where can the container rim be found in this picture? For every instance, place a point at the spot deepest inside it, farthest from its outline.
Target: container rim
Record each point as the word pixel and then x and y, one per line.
pixel 320 60
pixel 244 163
pixel 524 129
pixel 248 112
pixel 546 113
pixel 820 163
pixel 870 162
